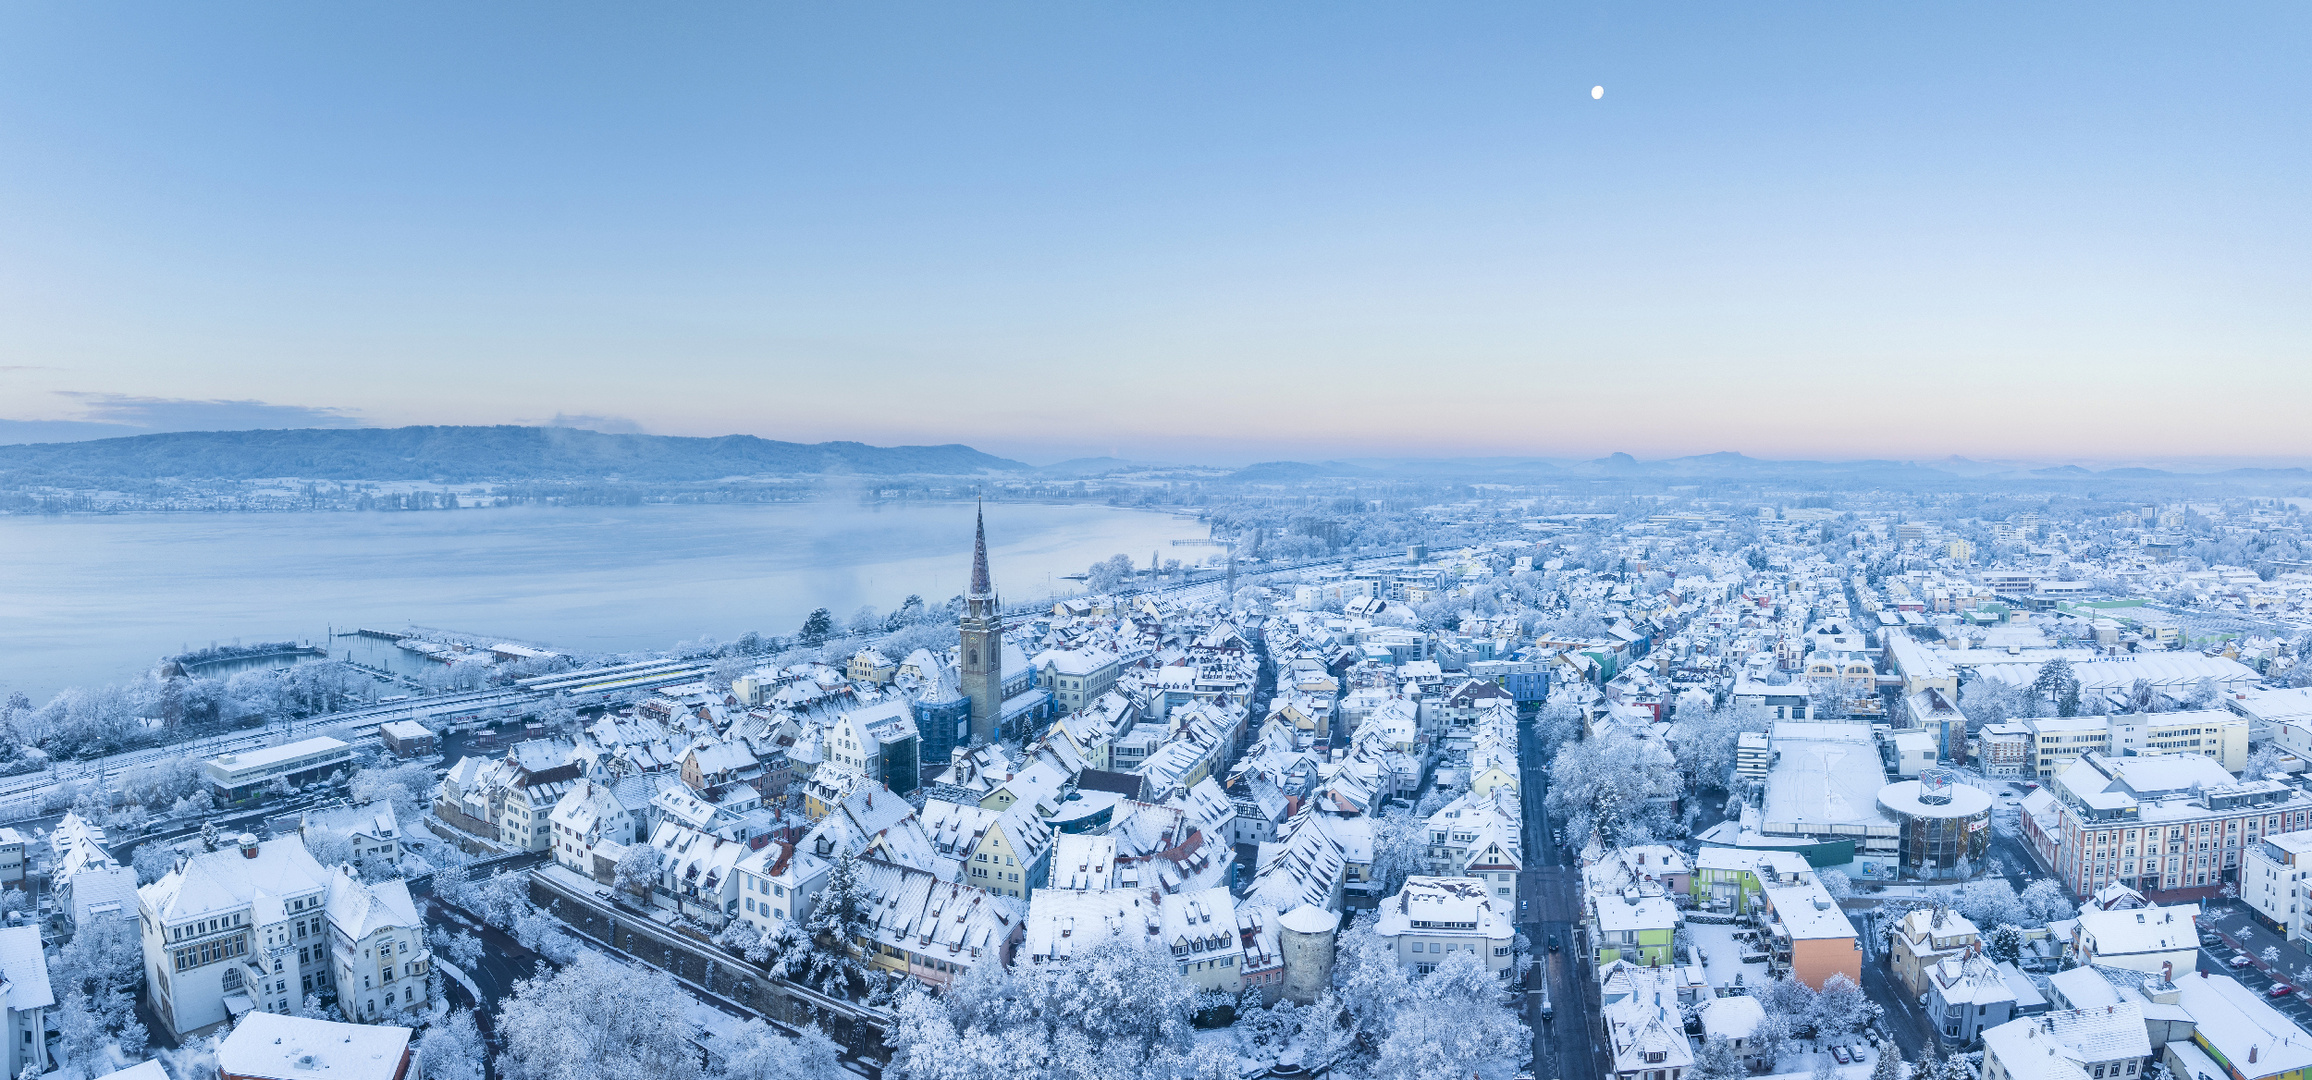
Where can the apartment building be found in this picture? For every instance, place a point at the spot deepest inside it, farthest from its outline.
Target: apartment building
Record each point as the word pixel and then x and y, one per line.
pixel 2272 882
pixel 1433 916
pixel 2057 741
pixel 1809 936
pixel 2172 827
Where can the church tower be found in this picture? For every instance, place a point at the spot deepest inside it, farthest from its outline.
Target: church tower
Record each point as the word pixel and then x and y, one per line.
pixel 982 643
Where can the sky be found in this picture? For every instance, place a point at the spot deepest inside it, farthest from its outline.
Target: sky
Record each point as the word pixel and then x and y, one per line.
pixel 1181 231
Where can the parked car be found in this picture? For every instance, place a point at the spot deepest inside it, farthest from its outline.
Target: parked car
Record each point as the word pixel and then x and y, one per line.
pixel 2280 990
pixel 1838 1053
pixel 2239 960
pixel 2210 939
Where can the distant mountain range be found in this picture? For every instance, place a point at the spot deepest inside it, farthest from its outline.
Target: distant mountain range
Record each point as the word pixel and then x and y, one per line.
pixel 469 454
pixel 1727 465
pixel 514 454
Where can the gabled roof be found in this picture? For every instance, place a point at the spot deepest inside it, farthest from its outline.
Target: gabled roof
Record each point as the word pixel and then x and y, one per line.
pixel 361 910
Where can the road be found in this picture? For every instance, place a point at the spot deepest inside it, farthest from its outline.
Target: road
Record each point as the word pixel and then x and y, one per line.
pixel 1572 1045
pixel 1906 1020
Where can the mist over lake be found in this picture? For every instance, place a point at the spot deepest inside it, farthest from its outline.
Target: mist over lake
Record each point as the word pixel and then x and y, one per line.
pixel 87 600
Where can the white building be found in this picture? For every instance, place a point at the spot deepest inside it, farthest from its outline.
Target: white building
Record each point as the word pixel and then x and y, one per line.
pixel 24 982
pixel 2272 881
pixel 592 826
pixel 241 776
pixel 258 926
pixel 378 942
pixel 1215 943
pixel 2160 940
pixel 1433 916
pixel 87 882
pixel 2074 1044
pixel 1914 751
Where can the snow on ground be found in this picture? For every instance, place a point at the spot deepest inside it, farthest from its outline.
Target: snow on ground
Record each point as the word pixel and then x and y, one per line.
pixel 1800 1065
pixel 1722 955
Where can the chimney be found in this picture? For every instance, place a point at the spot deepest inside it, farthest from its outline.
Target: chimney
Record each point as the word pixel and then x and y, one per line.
pixel 248 845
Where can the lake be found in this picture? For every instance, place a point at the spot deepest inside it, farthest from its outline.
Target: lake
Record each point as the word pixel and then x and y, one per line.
pixel 89 600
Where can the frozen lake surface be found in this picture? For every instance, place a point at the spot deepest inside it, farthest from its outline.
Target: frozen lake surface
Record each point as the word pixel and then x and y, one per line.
pixel 88 600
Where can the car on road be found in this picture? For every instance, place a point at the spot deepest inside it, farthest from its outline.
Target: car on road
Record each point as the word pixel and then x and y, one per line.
pixel 2238 961
pixel 2279 990
pixel 1553 942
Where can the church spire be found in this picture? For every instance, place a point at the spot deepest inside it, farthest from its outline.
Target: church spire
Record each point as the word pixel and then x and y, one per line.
pixel 979 582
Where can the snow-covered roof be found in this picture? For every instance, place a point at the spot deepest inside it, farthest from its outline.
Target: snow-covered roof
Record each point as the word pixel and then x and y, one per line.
pixel 1734 1017
pixel 2233 1019
pixel 2140 930
pixel 1807 911
pixel 359 910
pixel 1823 775
pixel 295 1048
pixel 26 969
pixel 227 880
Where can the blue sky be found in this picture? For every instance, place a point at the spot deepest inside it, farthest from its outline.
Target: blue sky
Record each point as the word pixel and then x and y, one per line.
pixel 1224 231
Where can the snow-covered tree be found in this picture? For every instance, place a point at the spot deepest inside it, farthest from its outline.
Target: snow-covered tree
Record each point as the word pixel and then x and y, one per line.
pixel 153 861
pixel 1109 574
pixel 1614 785
pixel 1718 1060
pixel 2056 683
pixel 1890 1063
pixel 2004 943
pixel 1991 901
pixel 1771 1038
pixel 2046 902
pixel 1557 724
pixel 840 917
pixel 1371 985
pixel 597 1020
pixel 759 1053
pixel 637 869
pixel 1117 1009
pixel 106 957
pixel 450 1050
pixel 1791 1000
pixel 1836 883
pixel 1840 1009
pixel 405 787
pixel 1398 841
pixel 1705 739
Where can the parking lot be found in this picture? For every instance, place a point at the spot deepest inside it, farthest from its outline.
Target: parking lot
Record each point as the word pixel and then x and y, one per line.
pixel 2241 936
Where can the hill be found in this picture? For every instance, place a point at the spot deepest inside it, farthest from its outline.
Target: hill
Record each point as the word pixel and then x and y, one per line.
pixel 467 454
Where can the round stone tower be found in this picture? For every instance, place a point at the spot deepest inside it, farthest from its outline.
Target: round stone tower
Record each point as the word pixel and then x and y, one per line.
pixel 1305 937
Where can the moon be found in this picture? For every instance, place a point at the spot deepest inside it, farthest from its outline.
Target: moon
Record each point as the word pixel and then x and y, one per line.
pixel 1597 92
